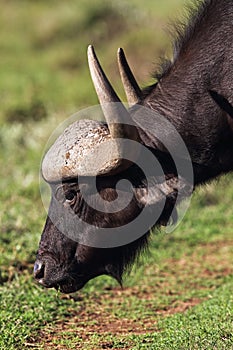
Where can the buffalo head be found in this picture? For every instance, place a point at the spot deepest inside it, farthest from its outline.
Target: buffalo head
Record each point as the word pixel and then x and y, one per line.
pixel 98 189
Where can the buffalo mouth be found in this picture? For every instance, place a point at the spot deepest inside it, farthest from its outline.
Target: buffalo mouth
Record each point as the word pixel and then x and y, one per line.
pixel 65 283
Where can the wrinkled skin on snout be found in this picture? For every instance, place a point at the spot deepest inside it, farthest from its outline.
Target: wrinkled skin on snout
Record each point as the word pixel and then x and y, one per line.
pixel 63 261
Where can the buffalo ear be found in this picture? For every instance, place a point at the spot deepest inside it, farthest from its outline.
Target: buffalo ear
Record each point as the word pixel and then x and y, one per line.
pixel 168 201
pixel 158 192
pixel 143 198
pixel 222 102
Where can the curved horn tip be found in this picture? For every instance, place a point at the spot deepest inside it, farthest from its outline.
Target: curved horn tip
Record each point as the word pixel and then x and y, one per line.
pixel 90 47
pixel 90 51
pixel 121 54
pixel 132 89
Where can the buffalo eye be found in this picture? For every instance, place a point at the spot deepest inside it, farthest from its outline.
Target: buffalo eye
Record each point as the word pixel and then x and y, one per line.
pixel 66 197
pixel 70 197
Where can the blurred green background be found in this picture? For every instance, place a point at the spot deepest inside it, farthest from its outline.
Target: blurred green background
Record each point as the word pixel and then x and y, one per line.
pixel 44 79
pixel 43 50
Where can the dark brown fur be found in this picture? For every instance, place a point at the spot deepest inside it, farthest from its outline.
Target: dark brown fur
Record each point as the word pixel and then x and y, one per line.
pixel 202 62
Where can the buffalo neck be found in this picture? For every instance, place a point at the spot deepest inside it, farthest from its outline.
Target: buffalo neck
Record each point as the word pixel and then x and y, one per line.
pixel 202 62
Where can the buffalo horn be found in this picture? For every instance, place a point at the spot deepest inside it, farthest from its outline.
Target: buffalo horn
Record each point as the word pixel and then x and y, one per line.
pixel 132 90
pixel 116 115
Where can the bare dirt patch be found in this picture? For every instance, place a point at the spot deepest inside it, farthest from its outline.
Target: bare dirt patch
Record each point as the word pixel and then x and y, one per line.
pixel 210 262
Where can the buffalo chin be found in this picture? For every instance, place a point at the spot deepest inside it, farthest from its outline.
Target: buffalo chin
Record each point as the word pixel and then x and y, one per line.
pixel 70 287
pixel 66 287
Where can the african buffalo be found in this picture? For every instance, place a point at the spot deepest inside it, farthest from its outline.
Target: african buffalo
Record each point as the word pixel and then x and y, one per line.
pixel 193 93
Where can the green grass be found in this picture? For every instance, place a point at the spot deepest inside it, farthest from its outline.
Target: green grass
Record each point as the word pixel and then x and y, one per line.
pixel 179 295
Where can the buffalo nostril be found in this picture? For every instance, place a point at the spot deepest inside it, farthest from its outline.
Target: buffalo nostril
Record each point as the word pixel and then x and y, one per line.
pixel 39 269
